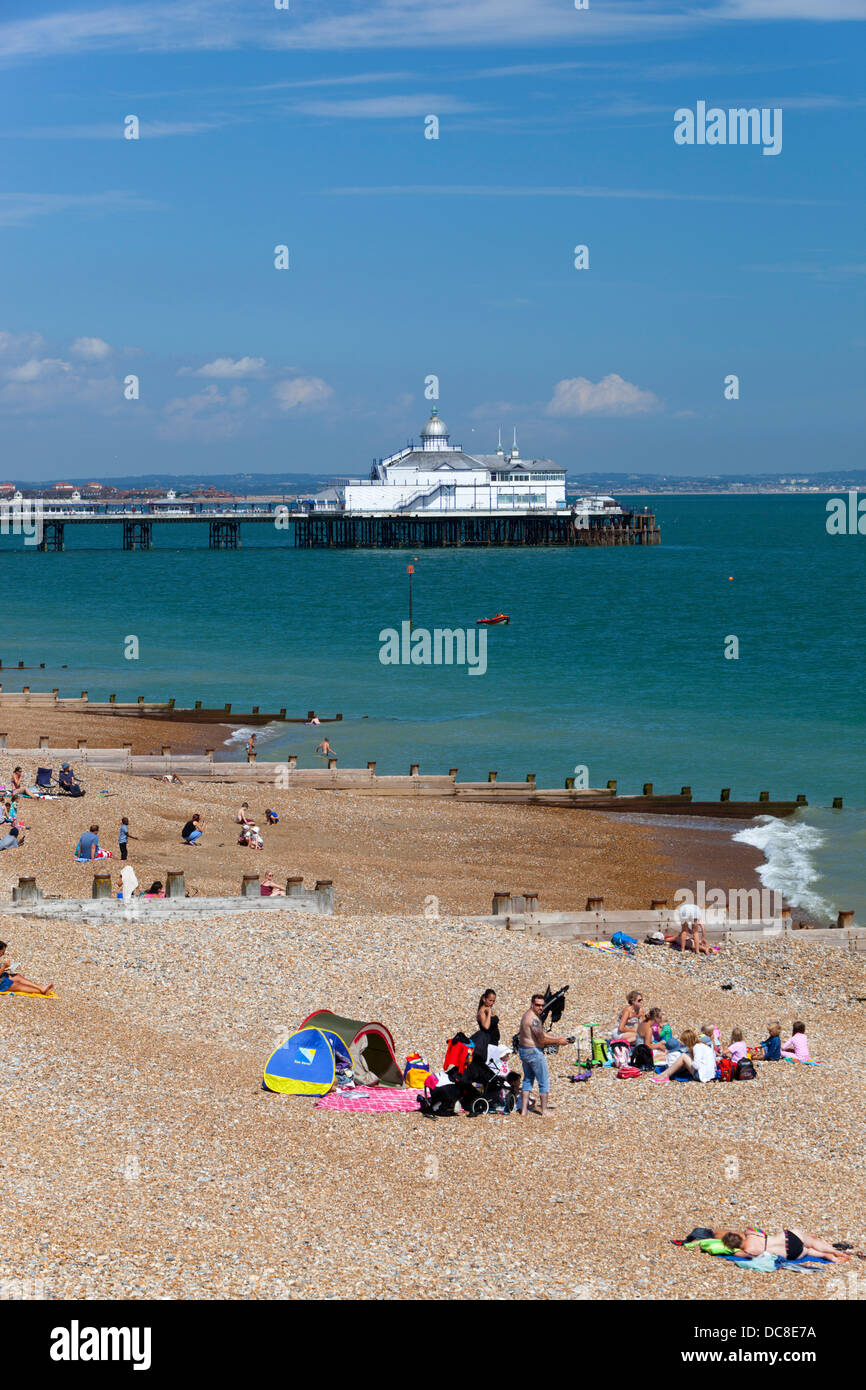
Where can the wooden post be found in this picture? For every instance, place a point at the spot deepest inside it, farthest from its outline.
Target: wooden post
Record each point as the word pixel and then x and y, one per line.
pixel 175 884
pixel 141 699
pixel 127 748
pixel 413 769
pixel 197 704
pixel 726 794
pixel 452 773
pixel 292 762
pixel 501 903
pixel 371 768
pixel 209 752
pixel 845 919
pixel 283 712
pixel 332 764
pixel 786 918
pixel 26 892
pixel 647 788
pixel 311 714
pixel 531 902
pixel 251 757
pixel 837 803
pixel 611 786
pixel 43 740
pixel 81 745
pixel 84 694
pixel 763 796
pixel 3 738
pixel 171 703
pixel 686 791
pixel 250 886
pixel 594 904
pixel 530 777
pixel 25 690
pixel 55 692
pixel 255 709
pixel 491 776
pixel 295 887
pixel 569 784
pixel 112 699
pixel 325 894
pixel 166 750
pixel 101 884
pixel 228 709
pixel 801 800
pixel 658 904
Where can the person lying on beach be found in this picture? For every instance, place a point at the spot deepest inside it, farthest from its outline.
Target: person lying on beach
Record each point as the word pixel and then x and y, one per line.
pixel 14 840
pixel 10 979
pixel 243 816
pixel 789 1244
pixel 269 889
pixel 698 1060
pixel 798 1044
pixel 156 890
pixel 169 777
pixel 630 1016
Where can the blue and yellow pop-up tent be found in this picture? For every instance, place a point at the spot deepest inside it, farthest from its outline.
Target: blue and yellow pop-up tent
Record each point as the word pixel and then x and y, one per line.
pixel 305 1065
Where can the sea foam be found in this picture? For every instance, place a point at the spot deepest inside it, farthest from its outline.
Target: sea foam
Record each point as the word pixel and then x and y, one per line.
pixel 788 847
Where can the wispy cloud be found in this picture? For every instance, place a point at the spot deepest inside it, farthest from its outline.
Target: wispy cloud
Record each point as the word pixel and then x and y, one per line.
pixel 388 107
pixel 227 368
pixel 576 191
pixel 339 25
pixel 18 209
pixel 308 392
pixel 149 130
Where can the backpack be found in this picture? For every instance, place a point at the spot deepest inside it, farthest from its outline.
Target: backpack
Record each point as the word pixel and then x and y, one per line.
pixel 457 1053
pixel 642 1057
pixel 746 1070
pixel 625 943
pixel 726 1069
pixel 621 1053
pixel 625 1073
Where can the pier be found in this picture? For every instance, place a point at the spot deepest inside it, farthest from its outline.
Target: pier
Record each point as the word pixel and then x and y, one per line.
pixel 336 530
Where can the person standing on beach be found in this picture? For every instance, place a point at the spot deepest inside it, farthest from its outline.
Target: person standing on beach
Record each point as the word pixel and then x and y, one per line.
pixel 532 1039
pixel 123 836
pixel 251 747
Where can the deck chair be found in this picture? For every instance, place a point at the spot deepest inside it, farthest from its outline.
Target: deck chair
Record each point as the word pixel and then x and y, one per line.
pixel 45 780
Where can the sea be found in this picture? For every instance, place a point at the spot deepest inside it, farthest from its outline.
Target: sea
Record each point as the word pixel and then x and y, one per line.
pixel 731 655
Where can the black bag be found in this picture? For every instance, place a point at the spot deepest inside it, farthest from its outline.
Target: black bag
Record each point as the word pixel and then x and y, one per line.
pixel 746 1069
pixel 642 1057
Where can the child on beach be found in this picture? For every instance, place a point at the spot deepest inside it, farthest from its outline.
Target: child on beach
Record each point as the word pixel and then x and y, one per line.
pixel 798 1044
pixel 123 836
pixel 772 1044
pixel 737 1049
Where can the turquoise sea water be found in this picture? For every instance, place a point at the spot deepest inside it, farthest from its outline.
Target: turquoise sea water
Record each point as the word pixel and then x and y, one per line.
pixel 613 660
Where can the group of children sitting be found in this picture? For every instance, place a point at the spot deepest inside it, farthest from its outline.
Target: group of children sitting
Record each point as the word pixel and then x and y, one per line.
pixel 643 1039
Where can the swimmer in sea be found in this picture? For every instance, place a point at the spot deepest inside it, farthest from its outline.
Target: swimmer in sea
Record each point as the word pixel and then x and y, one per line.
pixel 325 749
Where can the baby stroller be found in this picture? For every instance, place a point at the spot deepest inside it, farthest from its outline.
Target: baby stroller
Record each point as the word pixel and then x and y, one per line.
pixel 476 1082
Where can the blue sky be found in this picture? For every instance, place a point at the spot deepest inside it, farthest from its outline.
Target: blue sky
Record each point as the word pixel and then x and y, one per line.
pixel 410 256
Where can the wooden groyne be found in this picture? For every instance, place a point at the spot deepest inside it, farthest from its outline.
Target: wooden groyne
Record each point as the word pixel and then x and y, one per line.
pixel 51 701
pixel 287 775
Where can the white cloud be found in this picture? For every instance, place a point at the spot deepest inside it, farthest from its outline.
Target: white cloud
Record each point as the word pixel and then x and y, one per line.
pixel 209 414
pixel 610 396
pixel 37 369
pixel 309 391
pixel 20 344
pixel 227 368
pixel 92 349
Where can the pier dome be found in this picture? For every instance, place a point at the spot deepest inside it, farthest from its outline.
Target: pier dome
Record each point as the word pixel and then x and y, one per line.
pixel 435 433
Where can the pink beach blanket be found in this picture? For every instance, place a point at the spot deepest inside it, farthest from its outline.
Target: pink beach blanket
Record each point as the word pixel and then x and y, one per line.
pixel 380 1100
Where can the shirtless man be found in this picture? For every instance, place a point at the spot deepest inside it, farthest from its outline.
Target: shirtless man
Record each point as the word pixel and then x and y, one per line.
pixel 532 1038
pixel 325 749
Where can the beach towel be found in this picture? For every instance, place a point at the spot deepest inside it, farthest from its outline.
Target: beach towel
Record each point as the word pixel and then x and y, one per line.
pixel 379 1101
pixel 23 994
pixel 811 1063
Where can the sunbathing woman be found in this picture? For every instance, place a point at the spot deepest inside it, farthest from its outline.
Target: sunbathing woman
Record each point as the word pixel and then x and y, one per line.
pixel 697 1059
pixel 269 889
pixel 14 981
pixel 630 1017
pixel 789 1244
